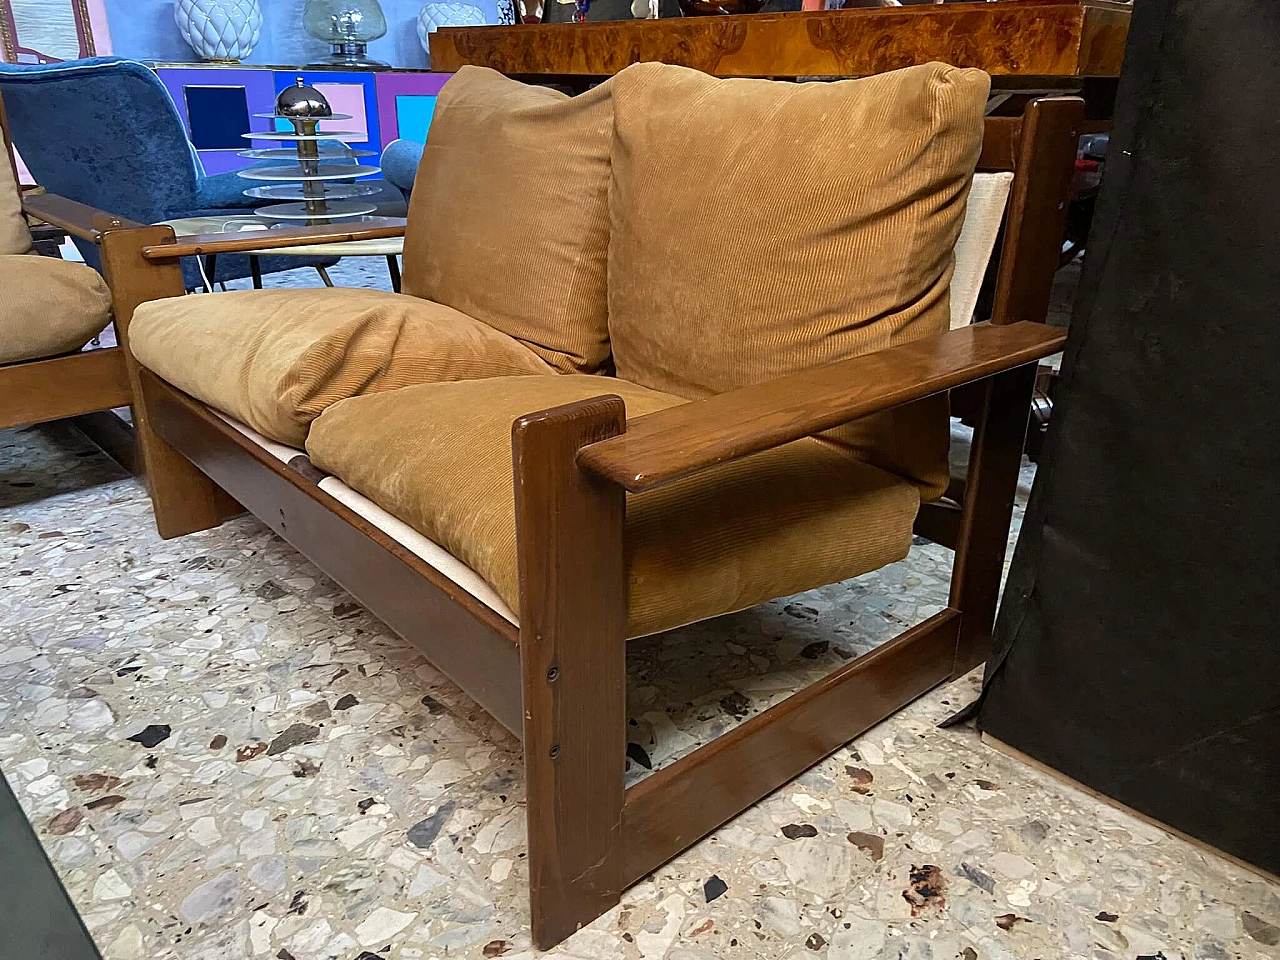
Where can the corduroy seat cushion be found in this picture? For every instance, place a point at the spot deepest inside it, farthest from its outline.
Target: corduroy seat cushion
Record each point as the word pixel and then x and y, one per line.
pixel 275 359
pixel 48 306
pixel 759 228
pixel 509 219
pixel 438 457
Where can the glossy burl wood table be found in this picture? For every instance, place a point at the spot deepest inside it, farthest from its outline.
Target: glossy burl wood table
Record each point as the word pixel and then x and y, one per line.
pixel 1026 45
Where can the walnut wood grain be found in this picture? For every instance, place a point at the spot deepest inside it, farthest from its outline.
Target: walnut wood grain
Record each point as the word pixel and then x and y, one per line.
pixel 573 615
pixel 991 484
pixel 216 243
pixel 675 442
pixel 466 640
pixel 680 804
pixel 78 219
pixel 41 390
pixel 1001 137
pixel 1017 38
pixel 1037 215
pixel 183 499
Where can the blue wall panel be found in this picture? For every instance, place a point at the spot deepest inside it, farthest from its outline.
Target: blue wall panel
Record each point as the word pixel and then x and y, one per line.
pixel 145 30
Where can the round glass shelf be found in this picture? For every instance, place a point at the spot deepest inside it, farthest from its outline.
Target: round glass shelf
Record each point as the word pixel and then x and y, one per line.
pixel 338 209
pixel 324 171
pixel 276 116
pixel 291 137
pixel 291 153
pixel 332 191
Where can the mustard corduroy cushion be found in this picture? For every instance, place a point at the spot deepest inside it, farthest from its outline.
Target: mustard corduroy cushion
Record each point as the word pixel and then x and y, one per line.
pixel 759 228
pixel 48 306
pixel 14 235
pixel 509 218
pixel 275 359
pixel 438 457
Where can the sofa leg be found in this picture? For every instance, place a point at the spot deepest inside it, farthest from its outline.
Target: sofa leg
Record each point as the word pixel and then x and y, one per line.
pixel 573 600
pixel 994 463
pixel 184 499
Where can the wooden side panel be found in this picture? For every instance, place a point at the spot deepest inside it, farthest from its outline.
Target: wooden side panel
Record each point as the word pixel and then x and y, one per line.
pixel 467 641
pixel 184 499
pixel 682 803
pixel 990 487
pixel 1037 215
pixel 41 390
pixel 1019 38
pixel 573 609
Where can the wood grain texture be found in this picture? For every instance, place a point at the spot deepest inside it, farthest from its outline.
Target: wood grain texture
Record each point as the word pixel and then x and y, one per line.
pixel 573 615
pixel 78 219
pixel 466 640
pixel 675 442
pixel 41 390
pixel 995 456
pixel 184 499
pixel 215 243
pixel 1037 213
pixel 1018 38
pixel 1001 137
pixel 680 804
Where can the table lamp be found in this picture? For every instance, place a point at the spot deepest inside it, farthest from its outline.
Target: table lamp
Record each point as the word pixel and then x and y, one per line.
pixel 347 26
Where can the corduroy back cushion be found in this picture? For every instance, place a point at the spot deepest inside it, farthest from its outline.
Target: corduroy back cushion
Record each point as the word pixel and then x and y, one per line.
pixel 275 359
pixel 509 219
pixel 14 235
pixel 759 228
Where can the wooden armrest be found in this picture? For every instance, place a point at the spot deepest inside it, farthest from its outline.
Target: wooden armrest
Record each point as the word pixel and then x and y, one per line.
pixel 78 219
pixel 681 440
pixel 250 240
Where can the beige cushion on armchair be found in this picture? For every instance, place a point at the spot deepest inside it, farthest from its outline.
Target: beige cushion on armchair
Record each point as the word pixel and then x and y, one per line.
pixel 509 220
pixel 275 359
pixel 48 306
pixel 14 235
pixel 762 228
pixel 438 457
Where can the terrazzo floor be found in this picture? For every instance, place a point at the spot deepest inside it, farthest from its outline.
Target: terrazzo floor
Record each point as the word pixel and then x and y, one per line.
pixel 226 757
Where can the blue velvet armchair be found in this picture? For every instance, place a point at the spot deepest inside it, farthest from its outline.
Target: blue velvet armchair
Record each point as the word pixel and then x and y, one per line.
pixel 400 162
pixel 105 132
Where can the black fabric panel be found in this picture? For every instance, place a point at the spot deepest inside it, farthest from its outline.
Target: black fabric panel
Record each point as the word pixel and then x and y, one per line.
pixel 37 920
pixel 1136 648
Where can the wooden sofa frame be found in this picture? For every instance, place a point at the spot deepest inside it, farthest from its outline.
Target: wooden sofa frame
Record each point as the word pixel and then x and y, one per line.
pixel 558 681
pixel 52 388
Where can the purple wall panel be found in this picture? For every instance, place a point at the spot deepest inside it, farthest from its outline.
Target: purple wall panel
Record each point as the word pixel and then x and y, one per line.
pixel 392 85
pixel 260 94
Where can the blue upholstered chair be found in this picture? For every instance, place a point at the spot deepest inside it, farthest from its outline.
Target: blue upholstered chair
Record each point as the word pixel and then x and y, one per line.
pixel 400 162
pixel 105 132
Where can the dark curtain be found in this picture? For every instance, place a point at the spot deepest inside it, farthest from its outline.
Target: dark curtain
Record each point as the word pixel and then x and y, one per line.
pixel 1136 647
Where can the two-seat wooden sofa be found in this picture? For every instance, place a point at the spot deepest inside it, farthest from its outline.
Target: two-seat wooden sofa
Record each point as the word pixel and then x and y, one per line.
pixel 653 322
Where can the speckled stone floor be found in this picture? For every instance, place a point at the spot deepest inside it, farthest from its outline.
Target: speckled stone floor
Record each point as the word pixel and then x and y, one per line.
pixel 226 757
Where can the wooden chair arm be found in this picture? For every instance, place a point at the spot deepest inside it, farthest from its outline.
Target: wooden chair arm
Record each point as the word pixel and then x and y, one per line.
pixel 250 240
pixel 78 219
pixel 681 440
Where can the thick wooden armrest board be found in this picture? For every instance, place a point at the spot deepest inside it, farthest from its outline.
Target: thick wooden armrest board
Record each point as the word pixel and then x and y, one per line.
pixel 1016 38
pixel 673 443
pixel 469 642
pixel 250 240
pixel 78 219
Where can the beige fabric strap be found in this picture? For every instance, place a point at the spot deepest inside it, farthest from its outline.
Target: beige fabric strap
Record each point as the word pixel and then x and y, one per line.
pixel 987 199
